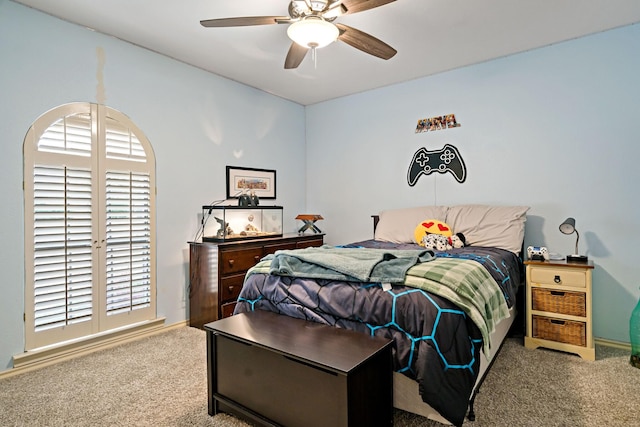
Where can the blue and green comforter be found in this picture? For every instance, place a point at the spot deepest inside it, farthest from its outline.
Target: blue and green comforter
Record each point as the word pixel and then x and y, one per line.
pixel 439 317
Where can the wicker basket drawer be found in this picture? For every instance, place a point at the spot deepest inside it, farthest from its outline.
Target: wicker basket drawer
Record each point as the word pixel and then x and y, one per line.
pixel 554 277
pixel 565 331
pixel 554 301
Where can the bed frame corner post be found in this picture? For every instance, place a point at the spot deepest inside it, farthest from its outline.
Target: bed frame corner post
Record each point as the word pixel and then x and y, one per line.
pixel 471 416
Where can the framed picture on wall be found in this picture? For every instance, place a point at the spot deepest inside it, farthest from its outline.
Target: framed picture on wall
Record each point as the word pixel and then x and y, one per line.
pixel 260 181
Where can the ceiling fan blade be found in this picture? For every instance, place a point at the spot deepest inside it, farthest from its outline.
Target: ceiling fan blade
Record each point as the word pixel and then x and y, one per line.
pixel 365 42
pixel 245 21
pixel 295 56
pixel 355 6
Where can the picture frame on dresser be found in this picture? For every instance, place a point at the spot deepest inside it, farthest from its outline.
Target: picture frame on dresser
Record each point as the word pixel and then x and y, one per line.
pixel 240 180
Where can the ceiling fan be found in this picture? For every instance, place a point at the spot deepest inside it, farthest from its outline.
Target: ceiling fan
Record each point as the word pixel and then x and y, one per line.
pixel 312 27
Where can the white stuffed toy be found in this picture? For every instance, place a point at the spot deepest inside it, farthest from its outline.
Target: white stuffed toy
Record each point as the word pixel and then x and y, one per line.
pixel 458 240
pixel 438 242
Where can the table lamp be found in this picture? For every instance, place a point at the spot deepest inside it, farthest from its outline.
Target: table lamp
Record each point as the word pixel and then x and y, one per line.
pixel 569 227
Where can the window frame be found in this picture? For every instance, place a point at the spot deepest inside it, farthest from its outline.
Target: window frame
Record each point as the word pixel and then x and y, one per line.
pixel 99 163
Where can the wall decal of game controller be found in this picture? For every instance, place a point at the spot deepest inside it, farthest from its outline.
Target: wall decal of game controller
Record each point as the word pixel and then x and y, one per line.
pixel 426 162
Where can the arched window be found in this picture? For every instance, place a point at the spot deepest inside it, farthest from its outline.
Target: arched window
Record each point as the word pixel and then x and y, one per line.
pixel 89 185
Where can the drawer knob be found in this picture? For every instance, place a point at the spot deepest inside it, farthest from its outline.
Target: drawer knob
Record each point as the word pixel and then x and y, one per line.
pixel 231 262
pixel 231 288
pixel 557 279
pixel 257 258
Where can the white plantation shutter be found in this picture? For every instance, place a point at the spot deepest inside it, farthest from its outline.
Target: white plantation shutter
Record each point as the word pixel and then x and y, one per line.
pixel 128 241
pixel 62 246
pixel 89 224
pixel 121 143
pixel 69 135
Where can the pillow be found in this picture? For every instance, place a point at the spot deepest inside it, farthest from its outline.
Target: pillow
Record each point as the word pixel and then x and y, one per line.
pixel 398 225
pixel 430 226
pixel 493 226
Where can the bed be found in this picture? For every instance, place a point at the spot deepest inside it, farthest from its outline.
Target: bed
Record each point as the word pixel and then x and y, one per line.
pixel 447 311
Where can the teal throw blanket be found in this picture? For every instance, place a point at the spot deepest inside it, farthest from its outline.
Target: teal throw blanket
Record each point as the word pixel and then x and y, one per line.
pixel 349 264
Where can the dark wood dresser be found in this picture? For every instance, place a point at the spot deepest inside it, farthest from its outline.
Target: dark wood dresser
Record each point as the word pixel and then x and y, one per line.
pixel 217 270
pixel 275 370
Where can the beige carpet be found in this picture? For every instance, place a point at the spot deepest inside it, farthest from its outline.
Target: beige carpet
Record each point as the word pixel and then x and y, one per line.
pixel 161 381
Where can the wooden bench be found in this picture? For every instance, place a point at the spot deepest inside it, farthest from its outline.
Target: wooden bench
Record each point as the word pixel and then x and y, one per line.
pixel 276 370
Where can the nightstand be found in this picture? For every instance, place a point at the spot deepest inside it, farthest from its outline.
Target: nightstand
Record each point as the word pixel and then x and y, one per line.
pixel 559 307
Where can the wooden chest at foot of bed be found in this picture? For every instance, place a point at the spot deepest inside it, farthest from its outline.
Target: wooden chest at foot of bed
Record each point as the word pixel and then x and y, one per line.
pixel 276 370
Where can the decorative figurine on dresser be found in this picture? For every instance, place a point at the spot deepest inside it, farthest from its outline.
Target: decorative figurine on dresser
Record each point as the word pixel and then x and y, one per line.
pixel 559 313
pixel 232 244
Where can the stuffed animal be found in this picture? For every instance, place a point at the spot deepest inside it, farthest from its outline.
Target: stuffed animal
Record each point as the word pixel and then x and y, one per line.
pixel 436 242
pixel 439 242
pixel 458 240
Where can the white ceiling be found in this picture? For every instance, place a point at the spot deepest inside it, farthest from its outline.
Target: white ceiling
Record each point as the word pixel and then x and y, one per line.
pixel 430 36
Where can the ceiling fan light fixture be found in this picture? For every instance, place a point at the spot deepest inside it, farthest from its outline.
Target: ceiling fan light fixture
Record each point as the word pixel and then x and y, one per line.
pixel 313 32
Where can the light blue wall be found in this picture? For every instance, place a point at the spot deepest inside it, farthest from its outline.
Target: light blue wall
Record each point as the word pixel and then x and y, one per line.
pixel 197 123
pixel 555 129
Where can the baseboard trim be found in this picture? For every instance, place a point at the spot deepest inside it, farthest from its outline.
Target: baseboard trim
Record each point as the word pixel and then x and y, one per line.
pixel 612 343
pixel 36 359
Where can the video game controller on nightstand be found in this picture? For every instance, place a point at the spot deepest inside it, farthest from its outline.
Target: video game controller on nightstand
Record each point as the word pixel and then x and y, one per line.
pixel 538 253
pixel 426 162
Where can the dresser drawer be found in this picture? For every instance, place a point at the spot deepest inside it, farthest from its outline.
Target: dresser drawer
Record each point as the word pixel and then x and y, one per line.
pixel 240 260
pixel 301 244
pixel 555 277
pixel 564 331
pixel 270 249
pixel 230 287
pixel 226 310
pixel 559 301
pixel 310 243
